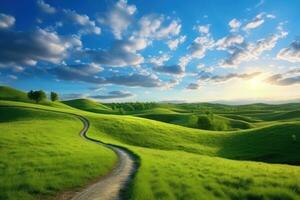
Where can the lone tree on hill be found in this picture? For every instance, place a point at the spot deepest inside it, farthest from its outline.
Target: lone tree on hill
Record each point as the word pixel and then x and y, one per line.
pixel 53 96
pixel 36 96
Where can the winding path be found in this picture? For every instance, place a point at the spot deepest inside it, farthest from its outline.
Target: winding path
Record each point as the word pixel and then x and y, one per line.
pixel 110 186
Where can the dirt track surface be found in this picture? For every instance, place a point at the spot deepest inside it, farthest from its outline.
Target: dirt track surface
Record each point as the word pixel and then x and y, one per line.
pixel 109 187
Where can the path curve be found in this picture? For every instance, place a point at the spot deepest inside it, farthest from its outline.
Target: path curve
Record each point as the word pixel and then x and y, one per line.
pixel 110 186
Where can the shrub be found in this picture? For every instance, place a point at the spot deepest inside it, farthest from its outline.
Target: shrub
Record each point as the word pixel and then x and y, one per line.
pixel 36 96
pixel 53 96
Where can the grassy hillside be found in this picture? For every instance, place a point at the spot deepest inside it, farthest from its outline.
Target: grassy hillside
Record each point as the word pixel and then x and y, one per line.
pixel 191 120
pixel 185 163
pixel 88 105
pixel 38 160
pixel 182 163
pixel 8 93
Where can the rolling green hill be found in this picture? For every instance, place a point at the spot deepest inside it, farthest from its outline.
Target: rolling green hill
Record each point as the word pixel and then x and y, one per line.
pixel 36 158
pixel 176 162
pixel 88 105
pixel 8 93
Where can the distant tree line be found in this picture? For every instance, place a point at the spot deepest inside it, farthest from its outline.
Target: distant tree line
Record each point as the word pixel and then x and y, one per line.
pixel 131 106
pixel 40 95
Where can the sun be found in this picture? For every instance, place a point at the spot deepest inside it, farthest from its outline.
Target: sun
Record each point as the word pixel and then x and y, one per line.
pixel 256 87
pixel 255 83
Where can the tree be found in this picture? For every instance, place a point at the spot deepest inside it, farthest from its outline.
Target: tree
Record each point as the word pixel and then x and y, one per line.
pixel 53 96
pixel 36 96
pixel 121 111
pixel 204 122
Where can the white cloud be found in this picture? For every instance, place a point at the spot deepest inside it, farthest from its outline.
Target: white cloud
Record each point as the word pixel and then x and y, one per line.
pixel 270 16
pixel 172 29
pixel 160 60
pixel 88 25
pixel 234 25
pixel 6 21
pixel 200 45
pixel 291 53
pixel 229 41
pixel 46 7
pixel 255 22
pixel 184 60
pixel 290 77
pixel 118 18
pixel 203 29
pixel 173 44
pixel 151 27
pixel 39 45
pixel 251 51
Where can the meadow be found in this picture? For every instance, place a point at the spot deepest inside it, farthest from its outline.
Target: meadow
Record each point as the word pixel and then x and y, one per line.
pixel 176 160
pixel 42 153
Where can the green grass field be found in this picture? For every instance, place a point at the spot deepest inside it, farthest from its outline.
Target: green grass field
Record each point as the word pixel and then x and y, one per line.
pixel 38 160
pixel 176 162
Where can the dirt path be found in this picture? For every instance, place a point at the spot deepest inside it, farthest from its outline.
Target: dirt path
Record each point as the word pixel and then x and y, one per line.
pixel 109 187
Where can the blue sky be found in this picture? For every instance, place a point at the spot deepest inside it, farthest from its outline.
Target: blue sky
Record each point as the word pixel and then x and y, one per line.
pixel 167 50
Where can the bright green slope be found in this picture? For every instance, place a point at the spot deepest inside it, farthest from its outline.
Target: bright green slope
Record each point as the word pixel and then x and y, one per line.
pixel 195 172
pixel 8 93
pixel 42 154
pixel 88 105
pixel 185 163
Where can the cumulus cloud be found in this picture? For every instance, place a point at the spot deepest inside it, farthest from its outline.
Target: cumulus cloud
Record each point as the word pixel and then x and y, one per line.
pixel 89 73
pixel 159 60
pixel 141 80
pixel 229 42
pixel 87 25
pixel 78 72
pixel 6 21
pixel 290 77
pixel 113 95
pixel 205 76
pixel 173 44
pixel 291 53
pixel 126 52
pixel 257 21
pixel 251 51
pixel 203 29
pixel 224 78
pixel 170 69
pixel 193 86
pixel 184 60
pixel 122 53
pixel 200 45
pixel 153 27
pixel 234 25
pixel 27 48
pixel 46 7
pixel 118 18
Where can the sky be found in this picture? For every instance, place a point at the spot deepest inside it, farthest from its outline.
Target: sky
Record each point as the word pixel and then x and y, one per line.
pixel 140 50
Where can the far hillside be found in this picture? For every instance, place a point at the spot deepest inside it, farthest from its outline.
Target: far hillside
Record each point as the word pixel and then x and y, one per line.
pixel 11 94
pixel 207 116
pixel 88 105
